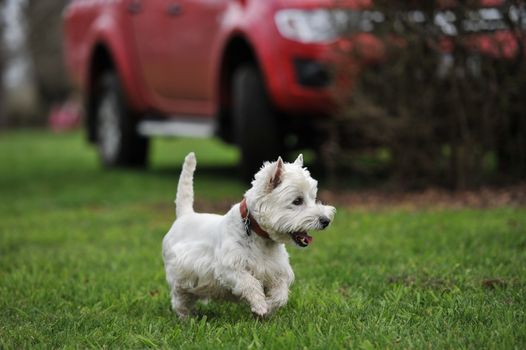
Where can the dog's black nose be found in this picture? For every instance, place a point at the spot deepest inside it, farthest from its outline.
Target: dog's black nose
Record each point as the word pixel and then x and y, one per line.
pixel 324 221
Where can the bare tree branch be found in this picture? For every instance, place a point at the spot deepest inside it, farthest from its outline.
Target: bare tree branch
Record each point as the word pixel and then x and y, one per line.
pixel 45 46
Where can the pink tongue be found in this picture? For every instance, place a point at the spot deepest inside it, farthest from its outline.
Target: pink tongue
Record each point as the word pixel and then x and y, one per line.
pixel 304 236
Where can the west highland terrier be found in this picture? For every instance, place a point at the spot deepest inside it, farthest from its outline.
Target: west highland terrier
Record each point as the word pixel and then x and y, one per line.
pixel 241 255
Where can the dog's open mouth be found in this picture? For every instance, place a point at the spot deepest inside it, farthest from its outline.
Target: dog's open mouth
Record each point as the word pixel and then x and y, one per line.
pixel 301 238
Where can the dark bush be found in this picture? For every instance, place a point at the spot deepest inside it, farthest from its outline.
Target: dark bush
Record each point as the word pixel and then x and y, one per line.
pixel 440 107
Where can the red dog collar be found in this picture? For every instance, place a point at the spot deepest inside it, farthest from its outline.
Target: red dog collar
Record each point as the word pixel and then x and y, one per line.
pixel 249 222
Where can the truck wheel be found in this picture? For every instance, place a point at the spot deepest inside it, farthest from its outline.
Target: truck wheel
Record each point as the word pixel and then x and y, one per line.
pixel 118 142
pixel 255 121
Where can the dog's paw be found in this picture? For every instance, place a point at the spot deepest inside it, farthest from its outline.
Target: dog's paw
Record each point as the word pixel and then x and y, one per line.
pixel 183 316
pixel 260 310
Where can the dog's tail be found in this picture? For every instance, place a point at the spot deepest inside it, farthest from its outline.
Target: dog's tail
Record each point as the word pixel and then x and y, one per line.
pixel 184 200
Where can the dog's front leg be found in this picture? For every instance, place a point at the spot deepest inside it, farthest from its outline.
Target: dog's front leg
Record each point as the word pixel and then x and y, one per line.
pixel 277 295
pixel 244 285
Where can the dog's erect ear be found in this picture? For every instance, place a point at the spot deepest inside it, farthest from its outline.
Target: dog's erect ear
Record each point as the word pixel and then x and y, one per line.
pixel 275 180
pixel 299 160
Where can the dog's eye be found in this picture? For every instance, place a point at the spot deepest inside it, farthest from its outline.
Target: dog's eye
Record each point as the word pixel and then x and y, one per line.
pixel 298 201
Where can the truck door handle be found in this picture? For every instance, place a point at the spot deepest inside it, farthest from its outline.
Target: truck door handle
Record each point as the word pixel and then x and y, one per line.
pixel 174 9
pixel 134 7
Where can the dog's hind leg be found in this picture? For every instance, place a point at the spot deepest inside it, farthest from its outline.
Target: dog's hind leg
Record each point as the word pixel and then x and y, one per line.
pixel 183 302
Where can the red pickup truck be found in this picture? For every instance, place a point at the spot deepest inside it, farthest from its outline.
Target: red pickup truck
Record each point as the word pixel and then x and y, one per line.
pixel 254 72
pixel 250 71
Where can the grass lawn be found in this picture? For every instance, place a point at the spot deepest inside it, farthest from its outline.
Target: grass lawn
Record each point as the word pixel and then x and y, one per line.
pixel 80 263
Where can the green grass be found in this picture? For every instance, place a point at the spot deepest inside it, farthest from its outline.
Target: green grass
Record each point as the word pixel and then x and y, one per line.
pixel 80 263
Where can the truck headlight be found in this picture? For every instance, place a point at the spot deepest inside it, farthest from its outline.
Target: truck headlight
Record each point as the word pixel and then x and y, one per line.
pixel 325 25
pixel 310 26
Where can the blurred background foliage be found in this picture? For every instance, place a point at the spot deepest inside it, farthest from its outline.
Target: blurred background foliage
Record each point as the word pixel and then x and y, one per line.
pixel 44 36
pixel 424 116
pixel 440 112
pixel 31 59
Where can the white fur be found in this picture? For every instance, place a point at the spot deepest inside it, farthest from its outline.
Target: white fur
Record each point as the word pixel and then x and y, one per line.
pixel 211 256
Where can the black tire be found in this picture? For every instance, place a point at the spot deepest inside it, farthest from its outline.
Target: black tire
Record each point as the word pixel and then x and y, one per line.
pixel 118 142
pixel 255 121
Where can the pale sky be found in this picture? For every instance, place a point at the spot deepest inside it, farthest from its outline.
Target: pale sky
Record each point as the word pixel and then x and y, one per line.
pixel 18 64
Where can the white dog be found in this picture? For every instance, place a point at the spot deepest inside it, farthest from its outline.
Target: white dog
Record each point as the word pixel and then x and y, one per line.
pixel 241 255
